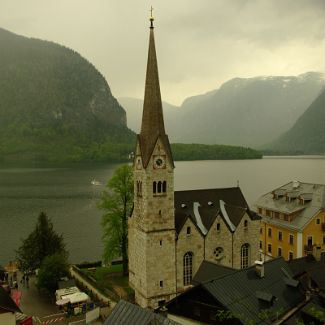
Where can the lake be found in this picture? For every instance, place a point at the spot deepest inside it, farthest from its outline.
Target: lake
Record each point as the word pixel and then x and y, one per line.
pixel 70 200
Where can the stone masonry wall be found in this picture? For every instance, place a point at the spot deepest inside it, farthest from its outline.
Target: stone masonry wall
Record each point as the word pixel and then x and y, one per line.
pixel 217 239
pixel 194 243
pixel 243 235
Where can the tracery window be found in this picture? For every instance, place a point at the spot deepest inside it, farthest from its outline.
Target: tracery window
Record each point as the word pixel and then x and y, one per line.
pixel 245 256
pixel 218 253
pixel 188 268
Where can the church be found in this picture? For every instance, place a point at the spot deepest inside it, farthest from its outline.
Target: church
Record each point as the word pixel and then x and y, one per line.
pixel 171 233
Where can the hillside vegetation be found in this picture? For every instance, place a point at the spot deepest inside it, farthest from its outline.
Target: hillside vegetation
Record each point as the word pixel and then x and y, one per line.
pixel 55 106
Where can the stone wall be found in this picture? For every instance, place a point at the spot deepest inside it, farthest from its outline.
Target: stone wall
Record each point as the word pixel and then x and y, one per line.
pixel 217 240
pixel 193 242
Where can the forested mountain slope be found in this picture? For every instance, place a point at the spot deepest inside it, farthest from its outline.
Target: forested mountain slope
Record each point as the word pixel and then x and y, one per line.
pixel 55 105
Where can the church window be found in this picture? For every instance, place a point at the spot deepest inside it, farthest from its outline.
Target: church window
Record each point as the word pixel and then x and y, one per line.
pixel 245 256
pixel 159 213
pixel 245 224
pixel 187 263
pixel 154 187
pixel 139 188
pixel 218 226
pixel 218 253
pixel 159 187
pixel 161 284
pixel 164 186
pixel 160 242
pixel 188 230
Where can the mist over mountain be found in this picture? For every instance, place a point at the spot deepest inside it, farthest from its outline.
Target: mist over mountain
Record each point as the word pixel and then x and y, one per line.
pixel 243 111
pixel 307 136
pixel 56 106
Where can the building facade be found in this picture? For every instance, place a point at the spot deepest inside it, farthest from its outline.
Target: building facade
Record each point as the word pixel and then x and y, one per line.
pixel 293 220
pixel 170 233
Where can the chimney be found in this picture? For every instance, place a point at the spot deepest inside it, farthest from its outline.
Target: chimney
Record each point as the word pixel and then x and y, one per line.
pixel 259 268
pixel 317 252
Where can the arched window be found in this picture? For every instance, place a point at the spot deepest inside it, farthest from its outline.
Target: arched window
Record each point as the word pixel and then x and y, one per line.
pixel 188 230
pixel 164 186
pixel 159 187
pixel 188 265
pixel 154 187
pixel 218 226
pixel 245 224
pixel 245 256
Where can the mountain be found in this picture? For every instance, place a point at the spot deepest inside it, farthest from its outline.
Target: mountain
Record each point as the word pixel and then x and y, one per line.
pixel 249 111
pixel 307 136
pixel 56 106
pixel 243 111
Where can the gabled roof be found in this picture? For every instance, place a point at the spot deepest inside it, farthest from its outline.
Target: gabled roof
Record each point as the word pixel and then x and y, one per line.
pixel 126 313
pixel 6 303
pixel 211 202
pixel 240 292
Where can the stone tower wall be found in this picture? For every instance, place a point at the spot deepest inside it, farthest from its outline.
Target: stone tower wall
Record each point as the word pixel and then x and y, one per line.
pixel 152 233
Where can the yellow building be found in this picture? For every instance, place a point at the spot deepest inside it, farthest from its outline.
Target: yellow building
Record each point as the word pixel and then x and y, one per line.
pixel 293 220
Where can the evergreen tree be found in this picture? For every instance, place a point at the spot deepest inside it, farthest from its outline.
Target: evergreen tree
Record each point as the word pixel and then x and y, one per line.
pixel 43 241
pixel 117 203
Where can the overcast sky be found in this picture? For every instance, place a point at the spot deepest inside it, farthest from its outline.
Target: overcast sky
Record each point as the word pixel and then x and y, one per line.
pixel 200 43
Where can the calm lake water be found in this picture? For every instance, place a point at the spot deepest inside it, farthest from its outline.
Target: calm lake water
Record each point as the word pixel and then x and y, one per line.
pixel 69 198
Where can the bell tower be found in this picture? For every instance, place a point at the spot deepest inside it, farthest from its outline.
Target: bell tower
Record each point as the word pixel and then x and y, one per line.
pixel 151 228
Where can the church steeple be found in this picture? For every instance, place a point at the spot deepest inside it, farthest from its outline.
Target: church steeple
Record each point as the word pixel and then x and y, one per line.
pixel 152 117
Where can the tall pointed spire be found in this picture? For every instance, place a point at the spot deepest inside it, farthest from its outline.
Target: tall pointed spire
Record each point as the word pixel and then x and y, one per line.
pixel 152 117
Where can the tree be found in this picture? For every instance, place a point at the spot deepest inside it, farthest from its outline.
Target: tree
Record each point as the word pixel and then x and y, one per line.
pixel 53 268
pixel 117 203
pixel 43 241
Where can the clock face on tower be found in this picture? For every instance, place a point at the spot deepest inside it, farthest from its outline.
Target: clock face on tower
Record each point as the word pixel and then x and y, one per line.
pixel 159 162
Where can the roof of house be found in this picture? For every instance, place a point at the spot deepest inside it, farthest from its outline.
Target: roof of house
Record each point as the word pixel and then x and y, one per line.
pixel 246 295
pixel 205 205
pixel 6 303
pixel 308 264
pixel 312 195
pixel 209 271
pixel 126 313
